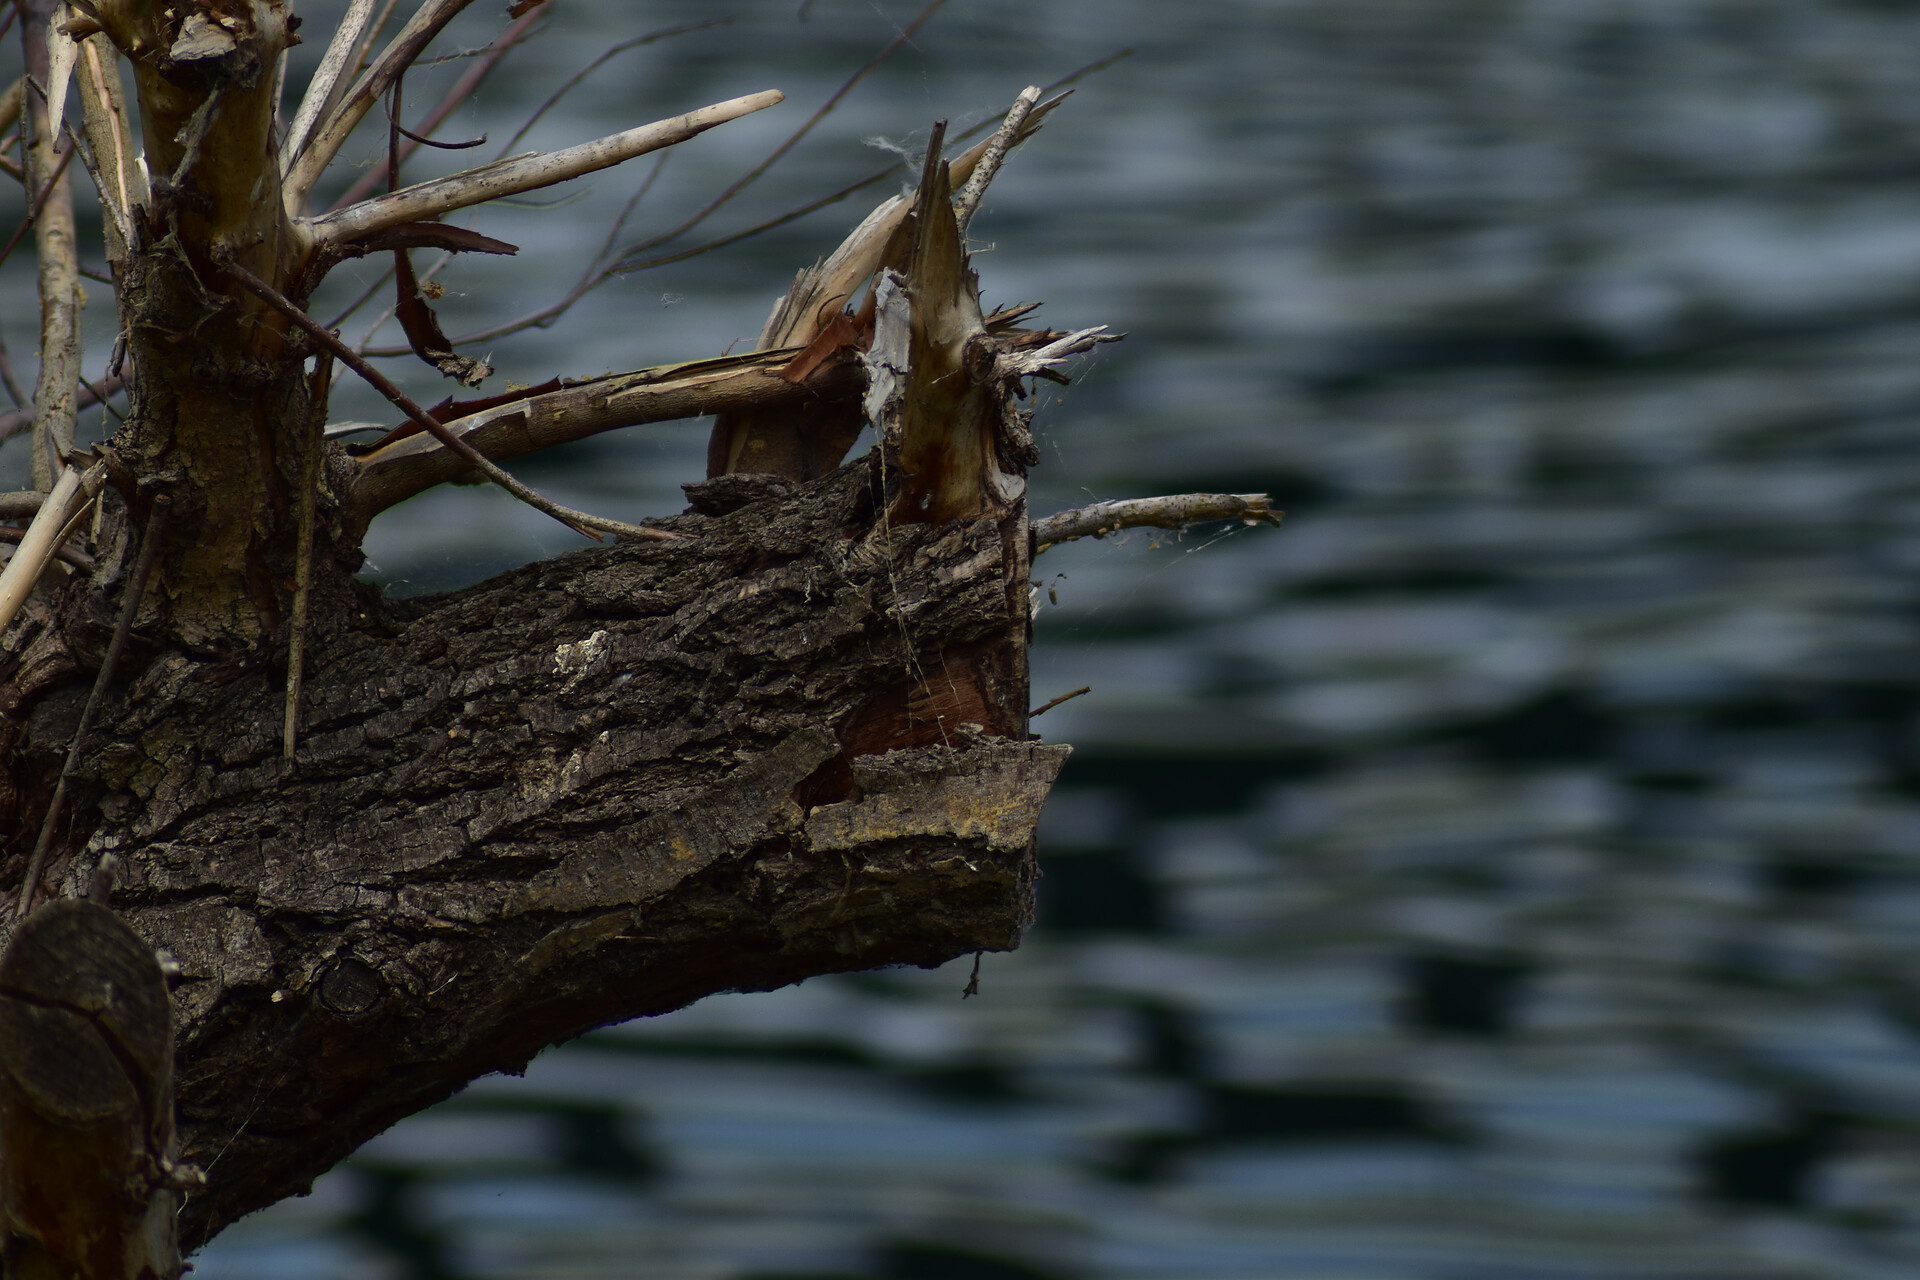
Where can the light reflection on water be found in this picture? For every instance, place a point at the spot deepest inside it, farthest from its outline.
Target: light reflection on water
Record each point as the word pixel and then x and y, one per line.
pixel 1505 871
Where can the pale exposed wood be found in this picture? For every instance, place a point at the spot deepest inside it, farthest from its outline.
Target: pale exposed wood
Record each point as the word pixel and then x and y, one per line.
pixel 55 392
pixel 114 156
pixel 427 200
pixel 825 287
pixel 1175 511
pixel 329 80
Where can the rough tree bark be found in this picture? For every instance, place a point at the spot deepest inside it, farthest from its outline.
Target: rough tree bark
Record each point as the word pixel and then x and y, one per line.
pixel 787 738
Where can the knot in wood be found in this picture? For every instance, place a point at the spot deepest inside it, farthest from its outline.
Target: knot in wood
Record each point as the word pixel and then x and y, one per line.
pixel 351 988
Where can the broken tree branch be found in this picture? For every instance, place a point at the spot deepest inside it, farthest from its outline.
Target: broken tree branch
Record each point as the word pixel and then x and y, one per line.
pixel 1175 511
pixel 397 471
pixel 43 536
pixel 530 172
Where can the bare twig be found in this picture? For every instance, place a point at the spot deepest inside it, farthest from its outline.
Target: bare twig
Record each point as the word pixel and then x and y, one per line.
pixel 605 56
pixel 19 420
pixel 56 242
pixel 905 37
pixel 1049 705
pixel 1175 511
pixel 39 203
pixel 870 235
pixel 462 90
pixel 149 543
pixel 593 278
pixel 579 521
pixel 440 196
pixel 114 155
pixel 331 133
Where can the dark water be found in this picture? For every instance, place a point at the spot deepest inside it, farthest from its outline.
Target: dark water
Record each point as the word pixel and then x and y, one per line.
pixel 1508 871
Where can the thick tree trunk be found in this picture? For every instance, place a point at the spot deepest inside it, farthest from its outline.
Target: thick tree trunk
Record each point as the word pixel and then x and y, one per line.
pixel 598 787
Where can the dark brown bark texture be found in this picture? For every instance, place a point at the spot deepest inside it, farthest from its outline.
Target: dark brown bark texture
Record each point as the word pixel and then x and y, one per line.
pixel 598 787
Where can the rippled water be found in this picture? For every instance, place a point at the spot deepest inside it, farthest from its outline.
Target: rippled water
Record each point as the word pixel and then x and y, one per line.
pixel 1508 871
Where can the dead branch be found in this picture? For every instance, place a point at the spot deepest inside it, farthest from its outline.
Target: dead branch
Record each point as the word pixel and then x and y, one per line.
pixel 35 552
pixel 530 172
pixel 325 89
pixel 398 471
pixel 1175 511
pixel 904 38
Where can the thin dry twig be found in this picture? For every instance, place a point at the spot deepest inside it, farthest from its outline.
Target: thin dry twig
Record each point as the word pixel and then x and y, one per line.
pixel 462 90
pixel 605 56
pixel 1175 511
pixel 593 278
pixel 56 243
pixel 18 420
pixel 752 175
pixel 580 522
pixel 1051 703
pixel 331 133
pixel 149 543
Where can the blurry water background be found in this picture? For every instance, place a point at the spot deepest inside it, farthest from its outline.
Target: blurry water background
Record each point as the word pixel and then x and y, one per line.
pixel 1508 871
